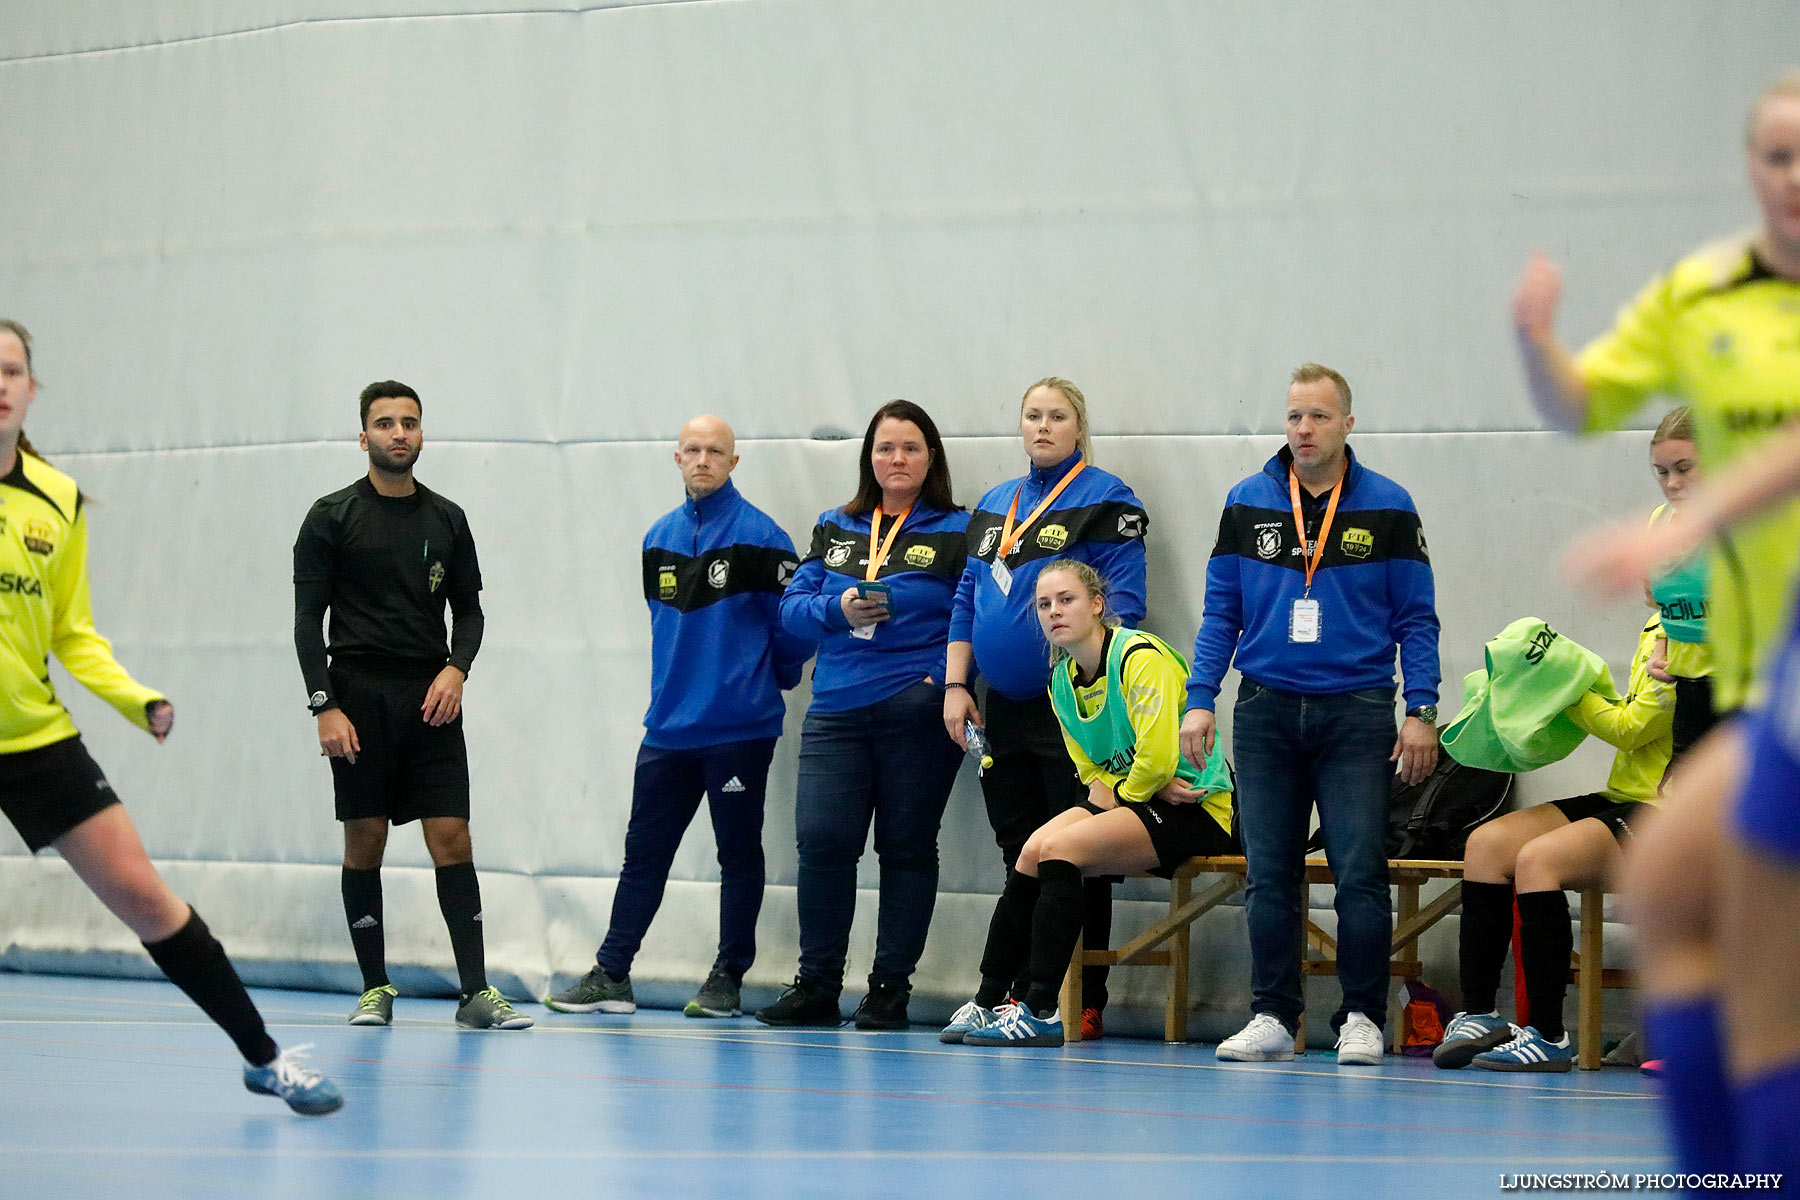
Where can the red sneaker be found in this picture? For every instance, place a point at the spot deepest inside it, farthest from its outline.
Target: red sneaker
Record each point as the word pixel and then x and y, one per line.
pixel 1652 1067
pixel 1092 1027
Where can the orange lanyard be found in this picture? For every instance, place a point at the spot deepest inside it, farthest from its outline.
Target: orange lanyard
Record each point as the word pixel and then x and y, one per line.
pixel 1312 563
pixel 877 557
pixel 1008 534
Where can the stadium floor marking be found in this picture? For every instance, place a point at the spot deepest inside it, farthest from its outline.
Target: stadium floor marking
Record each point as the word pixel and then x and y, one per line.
pixel 623 1154
pixel 858 1043
pixel 912 1097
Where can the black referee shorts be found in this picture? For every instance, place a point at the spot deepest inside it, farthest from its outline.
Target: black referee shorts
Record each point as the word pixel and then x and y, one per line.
pixel 406 769
pixel 50 790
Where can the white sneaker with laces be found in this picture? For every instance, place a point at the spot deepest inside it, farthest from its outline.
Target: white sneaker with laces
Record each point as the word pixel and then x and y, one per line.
pixel 1264 1039
pixel 1359 1042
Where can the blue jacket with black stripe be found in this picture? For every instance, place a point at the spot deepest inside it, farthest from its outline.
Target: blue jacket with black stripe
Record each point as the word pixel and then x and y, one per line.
pixel 714 570
pixel 1373 585
pixel 1097 520
pixel 921 569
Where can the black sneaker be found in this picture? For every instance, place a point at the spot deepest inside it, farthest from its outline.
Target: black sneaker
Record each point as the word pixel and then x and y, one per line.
pixel 717 997
pixel 594 992
pixel 884 1007
pixel 806 1003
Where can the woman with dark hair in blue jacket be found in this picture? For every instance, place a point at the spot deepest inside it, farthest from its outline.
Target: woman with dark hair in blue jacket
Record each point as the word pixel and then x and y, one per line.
pixel 1064 507
pixel 874 592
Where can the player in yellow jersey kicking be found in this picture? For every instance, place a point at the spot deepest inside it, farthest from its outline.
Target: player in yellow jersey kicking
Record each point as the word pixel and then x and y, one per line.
pixel 50 788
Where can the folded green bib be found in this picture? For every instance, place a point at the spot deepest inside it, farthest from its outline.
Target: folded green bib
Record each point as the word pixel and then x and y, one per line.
pixel 1512 717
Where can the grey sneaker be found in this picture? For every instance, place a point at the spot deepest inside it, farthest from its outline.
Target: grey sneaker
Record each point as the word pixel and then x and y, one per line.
pixel 594 992
pixel 488 1009
pixel 965 1021
pixel 376 1006
pixel 717 997
pixel 1469 1034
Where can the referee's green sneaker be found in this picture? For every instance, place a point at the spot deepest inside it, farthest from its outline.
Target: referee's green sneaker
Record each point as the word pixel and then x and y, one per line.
pixel 488 1009
pixel 376 1006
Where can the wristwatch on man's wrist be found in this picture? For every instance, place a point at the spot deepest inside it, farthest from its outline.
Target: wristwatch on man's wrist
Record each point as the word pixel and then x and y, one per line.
pixel 1425 712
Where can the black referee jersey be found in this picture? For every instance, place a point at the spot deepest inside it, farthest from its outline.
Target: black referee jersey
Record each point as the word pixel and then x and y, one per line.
pixel 385 567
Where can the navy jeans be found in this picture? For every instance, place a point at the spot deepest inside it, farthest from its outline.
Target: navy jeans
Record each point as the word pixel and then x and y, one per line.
pixel 890 762
pixel 1293 751
pixel 665 795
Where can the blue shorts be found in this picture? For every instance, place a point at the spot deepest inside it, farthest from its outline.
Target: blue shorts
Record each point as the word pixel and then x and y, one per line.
pixel 1766 816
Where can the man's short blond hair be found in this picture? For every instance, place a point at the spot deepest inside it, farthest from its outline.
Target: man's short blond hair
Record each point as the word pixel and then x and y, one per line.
pixel 1312 372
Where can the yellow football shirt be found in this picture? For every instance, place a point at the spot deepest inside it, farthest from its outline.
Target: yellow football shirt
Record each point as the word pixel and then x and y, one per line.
pixel 1639 725
pixel 1720 332
pixel 1154 692
pixel 45 610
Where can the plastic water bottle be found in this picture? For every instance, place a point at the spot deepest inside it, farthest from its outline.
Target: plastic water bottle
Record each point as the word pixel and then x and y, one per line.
pixel 976 737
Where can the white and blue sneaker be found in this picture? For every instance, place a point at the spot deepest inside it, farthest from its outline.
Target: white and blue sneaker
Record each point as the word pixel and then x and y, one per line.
pixel 1469 1034
pixel 1015 1026
pixel 966 1020
pixel 306 1091
pixel 1529 1050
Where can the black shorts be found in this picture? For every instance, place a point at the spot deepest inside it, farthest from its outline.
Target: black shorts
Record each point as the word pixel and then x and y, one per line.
pixel 1177 832
pixel 406 769
pixel 1694 715
pixel 1616 815
pixel 50 790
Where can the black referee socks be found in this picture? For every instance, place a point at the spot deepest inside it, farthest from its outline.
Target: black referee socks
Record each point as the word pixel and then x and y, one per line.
pixel 459 898
pixel 195 962
pixel 362 912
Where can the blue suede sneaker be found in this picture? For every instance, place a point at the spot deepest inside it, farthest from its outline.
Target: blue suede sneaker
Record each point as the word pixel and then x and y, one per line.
pixel 1469 1034
pixel 1015 1026
pixel 306 1091
pixel 1529 1050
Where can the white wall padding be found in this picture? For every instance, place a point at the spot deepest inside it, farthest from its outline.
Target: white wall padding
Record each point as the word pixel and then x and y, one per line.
pixel 572 226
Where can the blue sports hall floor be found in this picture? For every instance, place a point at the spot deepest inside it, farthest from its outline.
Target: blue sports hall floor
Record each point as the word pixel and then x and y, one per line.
pixel 121 1088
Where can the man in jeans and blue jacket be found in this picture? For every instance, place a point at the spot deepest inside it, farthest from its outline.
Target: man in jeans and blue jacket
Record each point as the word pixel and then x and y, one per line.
pixel 1319 574
pixel 714 570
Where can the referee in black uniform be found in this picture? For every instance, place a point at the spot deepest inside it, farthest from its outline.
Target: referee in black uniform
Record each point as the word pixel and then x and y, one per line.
pixel 385 555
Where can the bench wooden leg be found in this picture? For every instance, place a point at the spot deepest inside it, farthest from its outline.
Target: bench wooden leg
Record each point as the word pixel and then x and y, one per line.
pixel 1589 995
pixel 1176 1007
pixel 1071 994
pixel 1408 953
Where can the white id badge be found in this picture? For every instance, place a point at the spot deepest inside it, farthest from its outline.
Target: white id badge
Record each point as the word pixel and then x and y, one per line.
pixel 1303 622
pixel 1003 577
pixel 865 632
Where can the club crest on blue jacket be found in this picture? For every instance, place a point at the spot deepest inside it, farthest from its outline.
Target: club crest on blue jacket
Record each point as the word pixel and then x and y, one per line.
pixel 1097 519
pixel 1373 586
pixel 714 570
pixel 920 572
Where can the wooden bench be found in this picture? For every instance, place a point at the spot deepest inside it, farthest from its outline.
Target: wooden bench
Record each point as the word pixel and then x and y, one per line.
pixel 1318 954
